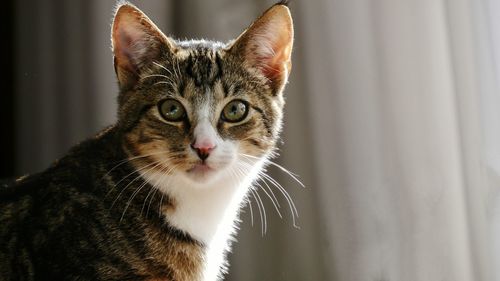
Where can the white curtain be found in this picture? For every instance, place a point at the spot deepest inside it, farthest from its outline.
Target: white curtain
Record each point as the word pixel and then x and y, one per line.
pixel 404 109
pixel 392 123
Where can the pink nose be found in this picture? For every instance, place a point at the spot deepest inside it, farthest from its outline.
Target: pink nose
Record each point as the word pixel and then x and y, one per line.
pixel 203 148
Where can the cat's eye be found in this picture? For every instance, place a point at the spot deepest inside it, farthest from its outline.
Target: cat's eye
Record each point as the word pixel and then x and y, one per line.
pixel 172 110
pixel 235 111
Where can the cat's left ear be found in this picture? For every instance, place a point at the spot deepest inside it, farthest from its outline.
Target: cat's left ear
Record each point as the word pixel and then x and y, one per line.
pixel 136 43
pixel 267 45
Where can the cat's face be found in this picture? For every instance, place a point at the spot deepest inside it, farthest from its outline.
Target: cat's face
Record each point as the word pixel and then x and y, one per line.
pixel 197 109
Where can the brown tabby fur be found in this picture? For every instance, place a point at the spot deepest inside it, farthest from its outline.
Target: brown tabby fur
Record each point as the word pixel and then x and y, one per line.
pixel 90 216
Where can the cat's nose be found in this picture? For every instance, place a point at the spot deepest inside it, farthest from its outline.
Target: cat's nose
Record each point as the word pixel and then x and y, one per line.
pixel 203 148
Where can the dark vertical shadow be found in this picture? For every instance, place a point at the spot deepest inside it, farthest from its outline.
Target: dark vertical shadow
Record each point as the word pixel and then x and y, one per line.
pixel 7 139
pixel 177 19
pixel 61 27
pixel 87 85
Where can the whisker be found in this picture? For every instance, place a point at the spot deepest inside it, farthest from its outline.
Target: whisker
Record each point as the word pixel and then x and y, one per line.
pixel 168 80
pixel 237 172
pixel 292 175
pixel 178 69
pixel 151 199
pixel 234 176
pixel 154 75
pixel 272 200
pixel 153 190
pixel 272 192
pixel 251 210
pixel 165 183
pixel 132 158
pixel 263 211
pixel 264 230
pixel 279 186
pixel 260 210
pixel 163 67
pixel 138 176
pixel 263 176
pixel 259 201
pixel 287 196
pixel 128 175
pixel 164 170
pixel 138 189
pixel 160 204
pixel 166 83
pixel 163 177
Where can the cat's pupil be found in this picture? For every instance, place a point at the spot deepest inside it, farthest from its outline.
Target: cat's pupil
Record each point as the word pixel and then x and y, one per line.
pixel 234 109
pixel 237 109
pixel 173 109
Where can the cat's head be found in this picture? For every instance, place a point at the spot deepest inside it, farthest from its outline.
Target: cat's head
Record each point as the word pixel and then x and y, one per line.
pixel 196 108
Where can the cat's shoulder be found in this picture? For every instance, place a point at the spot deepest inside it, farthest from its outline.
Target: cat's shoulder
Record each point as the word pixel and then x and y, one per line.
pixel 72 171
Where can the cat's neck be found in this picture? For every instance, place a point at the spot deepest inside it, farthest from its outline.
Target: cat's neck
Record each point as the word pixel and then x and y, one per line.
pixel 207 212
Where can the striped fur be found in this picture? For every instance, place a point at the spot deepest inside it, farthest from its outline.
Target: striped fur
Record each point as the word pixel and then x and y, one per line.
pixel 140 201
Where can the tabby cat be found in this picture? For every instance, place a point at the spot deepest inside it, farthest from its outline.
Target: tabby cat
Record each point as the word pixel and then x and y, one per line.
pixel 156 196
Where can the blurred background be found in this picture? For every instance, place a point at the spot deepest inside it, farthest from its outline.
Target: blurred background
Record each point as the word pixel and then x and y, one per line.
pixel 392 123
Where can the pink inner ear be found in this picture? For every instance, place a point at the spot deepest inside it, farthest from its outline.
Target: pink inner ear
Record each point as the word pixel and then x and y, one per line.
pixel 137 42
pixel 123 31
pixel 268 43
pixel 271 53
pixel 123 51
pixel 135 39
pixel 270 70
pixel 274 65
pixel 129 37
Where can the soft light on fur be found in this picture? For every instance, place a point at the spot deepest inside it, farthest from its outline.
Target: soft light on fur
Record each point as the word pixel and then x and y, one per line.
pixel 204 77
pixel 157 195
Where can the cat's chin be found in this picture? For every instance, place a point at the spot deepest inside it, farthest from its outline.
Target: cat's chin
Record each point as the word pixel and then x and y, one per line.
pixel 202 173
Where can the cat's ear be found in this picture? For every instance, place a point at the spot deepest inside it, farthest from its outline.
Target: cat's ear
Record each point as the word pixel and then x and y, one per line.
pixel 267 45
pixel 136 43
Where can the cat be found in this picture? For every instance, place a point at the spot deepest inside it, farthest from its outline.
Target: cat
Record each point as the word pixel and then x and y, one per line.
pixel 156 196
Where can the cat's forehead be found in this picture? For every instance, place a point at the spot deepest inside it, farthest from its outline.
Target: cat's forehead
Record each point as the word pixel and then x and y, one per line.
pixel 205 71
pixel 202 65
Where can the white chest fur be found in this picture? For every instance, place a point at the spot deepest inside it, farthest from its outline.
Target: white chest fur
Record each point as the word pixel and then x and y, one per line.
pixel 208 212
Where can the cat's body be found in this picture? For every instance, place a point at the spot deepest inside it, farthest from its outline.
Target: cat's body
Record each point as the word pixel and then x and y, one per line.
pixel 156 196
pixel 59 225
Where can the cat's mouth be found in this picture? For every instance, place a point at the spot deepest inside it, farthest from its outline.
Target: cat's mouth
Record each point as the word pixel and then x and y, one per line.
pixel 200 171
pixel 200 168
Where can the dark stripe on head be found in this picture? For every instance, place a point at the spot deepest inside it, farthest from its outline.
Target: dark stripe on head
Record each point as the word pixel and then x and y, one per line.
pixel 202 68
pixel 265 119
pixel 218 61
pixel 181 86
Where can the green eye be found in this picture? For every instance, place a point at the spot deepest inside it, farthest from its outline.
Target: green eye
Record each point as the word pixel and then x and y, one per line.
pixel 235 111
pixel 172 110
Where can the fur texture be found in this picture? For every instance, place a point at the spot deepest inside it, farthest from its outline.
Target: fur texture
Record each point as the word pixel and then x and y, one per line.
pixel 156 196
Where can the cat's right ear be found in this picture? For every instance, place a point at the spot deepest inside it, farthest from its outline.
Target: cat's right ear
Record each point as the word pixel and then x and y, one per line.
pixel 267 45
pixel 137 42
